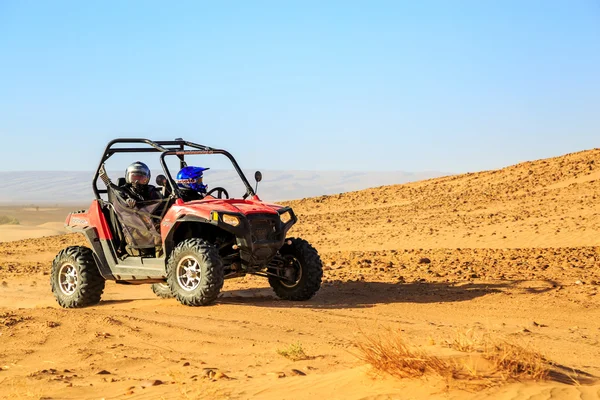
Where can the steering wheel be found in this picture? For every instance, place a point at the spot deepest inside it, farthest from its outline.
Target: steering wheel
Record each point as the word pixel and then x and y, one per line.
pixel 220 191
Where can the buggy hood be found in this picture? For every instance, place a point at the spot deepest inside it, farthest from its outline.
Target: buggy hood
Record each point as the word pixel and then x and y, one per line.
pixel 245 207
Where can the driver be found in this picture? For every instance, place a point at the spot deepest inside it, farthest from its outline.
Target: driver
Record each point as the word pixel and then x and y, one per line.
pixel 189 181
pixel 137 176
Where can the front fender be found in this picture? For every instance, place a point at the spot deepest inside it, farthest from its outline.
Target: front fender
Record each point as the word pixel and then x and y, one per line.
pixel 168 229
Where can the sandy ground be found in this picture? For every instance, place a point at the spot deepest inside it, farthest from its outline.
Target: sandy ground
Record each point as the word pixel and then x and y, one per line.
pixel 513 253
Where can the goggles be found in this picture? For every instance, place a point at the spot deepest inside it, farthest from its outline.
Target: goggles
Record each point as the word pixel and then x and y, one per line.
pixel 190 181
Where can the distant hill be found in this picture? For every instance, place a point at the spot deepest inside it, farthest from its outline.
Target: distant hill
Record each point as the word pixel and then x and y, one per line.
pixel 53 187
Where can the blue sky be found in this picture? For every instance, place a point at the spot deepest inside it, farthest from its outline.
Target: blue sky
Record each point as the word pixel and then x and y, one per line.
pixel 339 85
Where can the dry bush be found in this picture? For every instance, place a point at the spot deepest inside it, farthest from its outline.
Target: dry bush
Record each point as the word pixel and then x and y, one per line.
pixel 4 220
pixel 515 361
pixel 294 352
pixel 485 359
pixel 390 354
pixel 467 342
pixel 507 358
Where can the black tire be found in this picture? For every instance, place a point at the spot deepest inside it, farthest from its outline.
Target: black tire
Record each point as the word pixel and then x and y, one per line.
pixel 311 273
pixel 87 285
pixel 162 290
pixel 209 266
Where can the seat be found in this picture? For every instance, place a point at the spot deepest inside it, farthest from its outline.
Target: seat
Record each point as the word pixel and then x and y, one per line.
pixel 137 224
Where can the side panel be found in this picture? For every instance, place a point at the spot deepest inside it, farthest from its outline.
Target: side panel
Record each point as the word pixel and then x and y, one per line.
pixel 140 269
pixel 81 220
pixel 99 222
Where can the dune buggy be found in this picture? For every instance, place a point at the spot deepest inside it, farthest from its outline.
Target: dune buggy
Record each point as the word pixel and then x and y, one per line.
pixel 183 249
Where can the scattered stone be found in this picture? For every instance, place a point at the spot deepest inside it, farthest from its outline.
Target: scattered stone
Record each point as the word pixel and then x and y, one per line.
pixel 578 282
pixel 4 284
pixel 298 372
pixel 52 324
pixel 186 364
pixel 277 374
pixel 151 382
pixel 424 260
pixel 209 372
pixel 219 375
pixel 103 372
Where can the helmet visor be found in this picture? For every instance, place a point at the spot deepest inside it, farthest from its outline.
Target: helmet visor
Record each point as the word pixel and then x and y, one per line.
pixel 140 179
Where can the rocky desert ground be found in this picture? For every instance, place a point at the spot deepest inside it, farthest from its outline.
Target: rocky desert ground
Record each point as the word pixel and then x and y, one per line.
pixel 512 254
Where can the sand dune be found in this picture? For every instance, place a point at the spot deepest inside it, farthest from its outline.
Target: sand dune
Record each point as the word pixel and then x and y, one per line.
pixel 512 253
pixel 19 232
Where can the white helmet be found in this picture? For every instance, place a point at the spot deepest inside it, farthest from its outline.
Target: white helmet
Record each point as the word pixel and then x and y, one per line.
pixel 137 174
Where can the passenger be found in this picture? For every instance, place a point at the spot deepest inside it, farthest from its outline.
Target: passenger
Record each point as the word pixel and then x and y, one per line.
pixel 189 181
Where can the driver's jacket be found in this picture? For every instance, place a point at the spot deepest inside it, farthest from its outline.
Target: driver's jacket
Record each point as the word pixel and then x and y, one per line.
pixel 149 193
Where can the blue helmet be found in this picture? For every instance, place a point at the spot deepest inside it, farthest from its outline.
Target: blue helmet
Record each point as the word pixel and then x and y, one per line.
pixel 191 178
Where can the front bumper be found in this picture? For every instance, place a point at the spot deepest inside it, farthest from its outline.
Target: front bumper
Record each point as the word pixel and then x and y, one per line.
pixel 258 236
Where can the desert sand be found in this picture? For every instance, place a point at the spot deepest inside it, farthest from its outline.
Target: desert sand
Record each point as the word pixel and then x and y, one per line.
pixel 512 253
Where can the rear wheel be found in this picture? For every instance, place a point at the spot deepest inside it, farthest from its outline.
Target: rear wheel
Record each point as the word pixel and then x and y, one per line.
pixel 162 290
pixel 301 274
pixel 75 279
pixel 195 272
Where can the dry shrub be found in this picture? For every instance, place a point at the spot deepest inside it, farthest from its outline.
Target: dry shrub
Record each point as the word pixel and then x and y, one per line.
pixel 485 359
pixel 390 354
pixel 467 342
pixel 507 358
pixel 5 220
pixel 515 361
pixel 294 352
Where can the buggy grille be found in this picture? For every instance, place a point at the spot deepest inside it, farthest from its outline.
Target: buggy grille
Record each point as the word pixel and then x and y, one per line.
pixel 263 229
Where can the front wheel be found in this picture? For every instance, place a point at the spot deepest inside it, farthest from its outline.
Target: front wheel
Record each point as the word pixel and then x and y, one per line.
pixel 301 274
pixel 195 272
pixel 75 279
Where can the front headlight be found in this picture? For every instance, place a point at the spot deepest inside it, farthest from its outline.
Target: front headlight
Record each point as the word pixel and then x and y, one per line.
pixel 285 217
pixel 231 220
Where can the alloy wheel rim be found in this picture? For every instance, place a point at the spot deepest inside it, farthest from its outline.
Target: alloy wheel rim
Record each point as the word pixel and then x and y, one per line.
pixel 188 273
pixel 68 279
pixel 292 265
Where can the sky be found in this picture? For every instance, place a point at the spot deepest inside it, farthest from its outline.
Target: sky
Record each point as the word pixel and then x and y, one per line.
pixel 451 86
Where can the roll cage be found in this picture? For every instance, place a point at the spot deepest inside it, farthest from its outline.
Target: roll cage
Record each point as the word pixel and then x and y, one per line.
pixel 177 147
